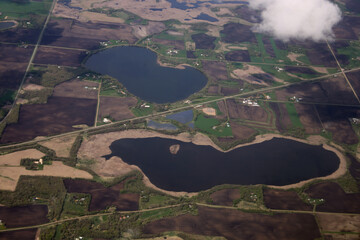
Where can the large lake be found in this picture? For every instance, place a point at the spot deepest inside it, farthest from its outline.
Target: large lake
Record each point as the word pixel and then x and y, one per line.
pixel 194 168
pixel 137 69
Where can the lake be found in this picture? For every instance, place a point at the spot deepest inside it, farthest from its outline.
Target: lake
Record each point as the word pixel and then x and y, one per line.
pixel 137 69
pixel 195 168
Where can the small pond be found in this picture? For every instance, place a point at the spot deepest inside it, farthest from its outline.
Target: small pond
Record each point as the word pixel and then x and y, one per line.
pixel 5 25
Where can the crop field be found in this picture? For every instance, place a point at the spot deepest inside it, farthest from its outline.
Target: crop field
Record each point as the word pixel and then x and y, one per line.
pixel 59 57
pixel 287 200
pixel 24 215
pixel 58 115
pixel 225 197
pixel 214 222
pixel 102 197
pixel 332 193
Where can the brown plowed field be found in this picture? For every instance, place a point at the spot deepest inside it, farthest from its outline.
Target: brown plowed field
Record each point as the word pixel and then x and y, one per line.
pixel 117 107
pixel 238 56
pixel 339 223
pixel 229 91
pixel 354 168
pixel 22 216
pixel 28 234
pixel 309 118
pixel 268 46
pixel 286 200
pixel 190 54
pixel 234 224
pixel 299 70
pixel 17 35
pixel 61 57
pixel 336 120
pixel 332 90
pixel 343 30
pixel 102 197
pixel 318 53
pixel 237 33
pixel 72 33
pixel 336 200
pixel 203 41
pixel 242 132
pixel 13 53
pixel 215 70
pixel 248 14
pixel 77 89
pixel 352 5
pixel 213 90
pixel 225 197
pixel 11 74
pixel 57 116
pixel 237 110
pixel 354 81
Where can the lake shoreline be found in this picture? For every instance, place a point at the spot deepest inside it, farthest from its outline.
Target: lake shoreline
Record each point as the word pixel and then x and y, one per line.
pixel 198 139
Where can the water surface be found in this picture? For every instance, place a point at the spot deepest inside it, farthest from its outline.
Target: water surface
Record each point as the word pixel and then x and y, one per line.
pixel 194 168
pixel 5 25
pixel 137 69
pixel 206 17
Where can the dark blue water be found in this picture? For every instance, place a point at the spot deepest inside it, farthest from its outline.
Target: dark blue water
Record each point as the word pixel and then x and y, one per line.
pixel 137 69
pixel 204 16
pixel 156 9
pixel 182 117
pixel 185 6
pixel 195 168
pixel 67 3
pixel 5 25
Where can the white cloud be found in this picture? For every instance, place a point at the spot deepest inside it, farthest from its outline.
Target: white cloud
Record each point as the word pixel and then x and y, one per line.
pixel 297 19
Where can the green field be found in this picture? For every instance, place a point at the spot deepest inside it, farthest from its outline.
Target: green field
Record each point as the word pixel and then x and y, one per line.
pixel 212 126
pixel 290 107
pixel 16 9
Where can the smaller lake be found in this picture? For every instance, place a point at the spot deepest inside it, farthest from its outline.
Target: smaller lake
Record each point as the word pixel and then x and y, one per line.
pixel 5 25
pixel 137 69
pixel 204 16
pixel 195 168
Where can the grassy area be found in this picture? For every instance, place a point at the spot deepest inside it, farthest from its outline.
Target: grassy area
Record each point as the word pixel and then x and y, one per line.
pixel 251 197
pixel 112 87
pixel 166 36
pixel 153 200
pixel 158 214
pixel 212 126
pixel 290 107
pixel 279 74
pixel 50 76
pixel 76 204
pixel 23 9
pixel 352 52
pixel 139 111
pixel 280 54
pixel 6 96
